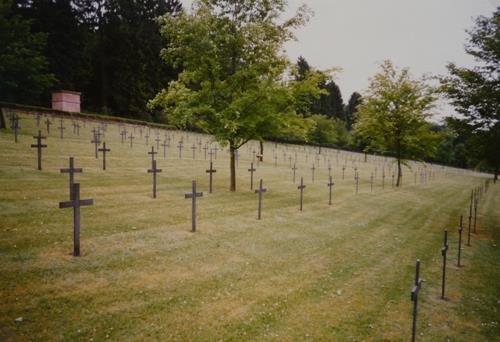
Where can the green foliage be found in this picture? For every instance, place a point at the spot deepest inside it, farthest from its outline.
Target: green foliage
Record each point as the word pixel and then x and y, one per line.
pixel 329 132
pixel 475 92
pixel 232 82
pixel 24 74
pixel 393 115
pixel 352 108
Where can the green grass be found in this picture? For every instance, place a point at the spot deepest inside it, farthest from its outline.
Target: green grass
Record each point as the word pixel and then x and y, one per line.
pixel 330 273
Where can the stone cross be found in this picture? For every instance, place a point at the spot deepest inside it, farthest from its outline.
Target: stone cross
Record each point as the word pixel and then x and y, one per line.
pixel 152 153
pixel 414 298
pixel 194 150
pixel 371 182
pixel 301 187
pixel 251 170
pixel 38 117
pixel 444 250
pixel 164 144
pixel 180 149
pixel 356 178
pixel 76 129
pixel 393 179
pixel 76 203
pixel 147 138
pixel 215 152
pixel 329 170
pixel 157 139
pixel 71 170
pixel 192 195
pixel 154 171
pixel 260 191
pixel 61 128
pixel 383 178
pixel 39 147
pixel 123 134
pixel 205 148
pixel 210 172
pixel 343 172
pixel 104 150
pixel 96 141
pixel 294 168
pixel 313 169
pixel 460 229
pixel 330 186
pixel 470 219
pixel 131 138
pixel 48 123
pixel 15 126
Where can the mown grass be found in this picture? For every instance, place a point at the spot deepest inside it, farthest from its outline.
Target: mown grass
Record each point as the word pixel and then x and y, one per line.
pixel 329 273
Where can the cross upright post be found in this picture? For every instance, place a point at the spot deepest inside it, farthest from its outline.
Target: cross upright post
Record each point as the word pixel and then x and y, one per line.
pixel 61 128
pixel 38 117
pixel 154 171
pixel 460 229
pixel 444 251
pixel 192 195
pixel 157 139
pixel 383 178
pixel 164 145
pixel 15 126
pixel 210 171
pixel 96 141
pixel 470 220
pixel 475 212
pixel 124 135
pixel 371 182
pixel 260 191
pixel 414 298
pixel 301 187
pixel 39 147
pixel 48 123
pixel 356 178
pixel 71 170
pixel 205 148
pixel 131 138
pixel 330 186
pixel 104 150
pixel 313 169
pixel 294 169
pixel 251 170
pixel 194 150
pixel 180 149
pixel 343 172
pixel 76 203
pixel 147 138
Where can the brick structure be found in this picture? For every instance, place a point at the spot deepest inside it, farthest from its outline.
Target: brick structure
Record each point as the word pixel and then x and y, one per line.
pixel 66 100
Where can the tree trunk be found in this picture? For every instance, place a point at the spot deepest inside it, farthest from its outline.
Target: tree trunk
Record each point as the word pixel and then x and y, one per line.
pixel 232 151
pixel 261 154
pixel 400 175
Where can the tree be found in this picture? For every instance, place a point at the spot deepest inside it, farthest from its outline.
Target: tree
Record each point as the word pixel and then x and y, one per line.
pixel 24 74
pixel 330 103
pixel 393 115
pixel 475 92
pixel 232 83
pixel 352 108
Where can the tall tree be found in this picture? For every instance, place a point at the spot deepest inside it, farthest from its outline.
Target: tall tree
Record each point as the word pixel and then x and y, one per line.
pixel 393 115
pixel 330 102
pixel 232 82
pixel 24 74
pixel 352 108
pixel 475 92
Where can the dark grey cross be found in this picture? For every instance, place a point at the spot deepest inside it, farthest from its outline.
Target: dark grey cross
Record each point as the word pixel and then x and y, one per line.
pixel 147 138
pixel 356 178
pixel 48 123
pixel 414 298
pixel 38 117
pixel 164 144
pixel 39 147
pixel 475 211
pixel 154 171
pixel 313 169
pixel 329 169
pixel 152 153
pixel 301 187
pixel 205 148
pixel 104 150
pixel 180 149
pixel 211 153
pixel 96 141
pixel 131 138
pixel 444 250
pixel 193 194
pixel 260 191
pixel 330 186
pixel 290 161
pixel 199 145
pixel 251 170
pixel 76 129
pixel 294 168
pixel 124 135
pixel 194 150
pixel 76 203
pixel 157 139
pixel 470 219
pixel 140 131
pixel 343 172
pixel 460 229
pixel 371 182
pixel 15 126
pixel 215 152
pixel 210 172
pixel 71 170
pixel 61 128
pixel 383 178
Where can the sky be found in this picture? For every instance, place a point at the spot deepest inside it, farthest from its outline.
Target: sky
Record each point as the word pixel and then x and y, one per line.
pixel 356 35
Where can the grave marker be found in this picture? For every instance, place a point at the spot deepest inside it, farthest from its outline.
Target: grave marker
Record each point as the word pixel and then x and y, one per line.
pixel 154 171
pixel 104 150
pixel 180 149
pixel 96 141
pixel 39 147
pixel 294 168
pixel 152 153
pixel 251 170
pixel 164 144
pixel 61 128
pixel 131 138
pixel 48 123
pixel 260 191
pixel 313 169
pixel 330 185
pixel 76 203
pixel 414 298
pixel 194 150
pixel 15 126
pixel 193 196
pixel 71 170
pixel 460 229
pixel 210 172
pixel 301 187
pixel 444 251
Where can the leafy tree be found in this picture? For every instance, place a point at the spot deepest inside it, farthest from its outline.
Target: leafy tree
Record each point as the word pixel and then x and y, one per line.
pixel 232 82
pixel 393 115
pixel 328 131
pixel 24 74
pixel 475 92
pixel 303 69
pixel 352 108
pixel 330 102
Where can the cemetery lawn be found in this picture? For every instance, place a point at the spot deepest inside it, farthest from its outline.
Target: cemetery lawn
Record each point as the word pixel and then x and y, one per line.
pixel 329 273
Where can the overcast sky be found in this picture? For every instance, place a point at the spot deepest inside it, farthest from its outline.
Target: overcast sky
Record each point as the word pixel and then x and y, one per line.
pixel 356 35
